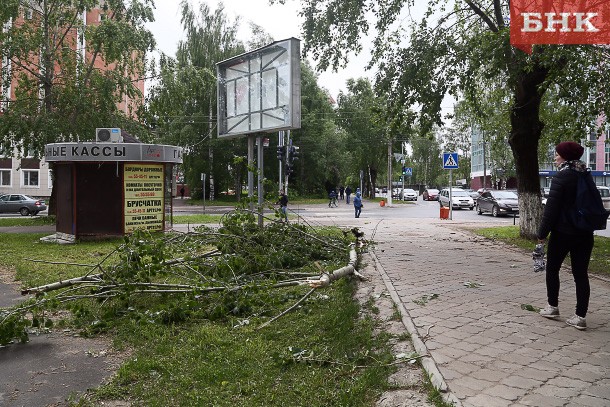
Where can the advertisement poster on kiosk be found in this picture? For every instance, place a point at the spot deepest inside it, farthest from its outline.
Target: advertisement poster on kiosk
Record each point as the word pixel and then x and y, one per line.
pixel 143 189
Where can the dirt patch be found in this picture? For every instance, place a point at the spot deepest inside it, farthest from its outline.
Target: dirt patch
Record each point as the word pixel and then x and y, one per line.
pixel 54 366
pixel 407 381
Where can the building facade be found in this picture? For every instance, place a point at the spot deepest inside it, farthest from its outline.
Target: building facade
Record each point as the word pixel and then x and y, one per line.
pixel 596 156
pixel 29 175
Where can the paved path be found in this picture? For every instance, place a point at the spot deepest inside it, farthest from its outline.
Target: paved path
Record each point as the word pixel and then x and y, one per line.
pixel 483 345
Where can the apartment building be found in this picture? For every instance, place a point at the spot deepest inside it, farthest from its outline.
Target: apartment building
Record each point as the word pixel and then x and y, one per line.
pixel 20 171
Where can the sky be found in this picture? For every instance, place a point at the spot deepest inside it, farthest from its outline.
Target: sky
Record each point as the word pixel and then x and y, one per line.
pixel 280 21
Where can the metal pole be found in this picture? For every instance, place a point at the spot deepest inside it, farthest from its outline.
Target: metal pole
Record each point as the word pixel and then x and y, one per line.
pixel 250 173
pixel 259 140
pixel 450 194
pixel 402 161
pixel 390 183
pixel 288 144
pixel 484 167
pixel 280 143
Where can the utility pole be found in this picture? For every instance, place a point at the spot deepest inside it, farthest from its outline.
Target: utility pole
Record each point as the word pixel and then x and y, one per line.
pixel 484 166
pixel 288 145
pixel 281 150
pixel 389 194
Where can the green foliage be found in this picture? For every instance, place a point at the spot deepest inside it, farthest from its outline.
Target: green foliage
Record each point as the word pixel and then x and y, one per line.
pixel 600 257
pixel 182 103
pixel 60 95
pixel 233 364
pixel 358 113
pixel 463 49
pixel 29 221
pixel 210 274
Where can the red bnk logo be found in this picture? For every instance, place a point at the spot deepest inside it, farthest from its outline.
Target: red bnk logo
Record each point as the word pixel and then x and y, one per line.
pixel 558 22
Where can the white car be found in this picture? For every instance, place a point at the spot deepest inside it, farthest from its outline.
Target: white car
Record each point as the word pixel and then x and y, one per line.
pixel 605 193
pixel 409 194
pixel 459 198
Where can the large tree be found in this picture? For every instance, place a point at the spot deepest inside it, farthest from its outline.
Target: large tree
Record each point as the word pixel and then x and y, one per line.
pixel 359 112
pixel 182 102
pixel 62 91
pixel 68 76
pixel 451 48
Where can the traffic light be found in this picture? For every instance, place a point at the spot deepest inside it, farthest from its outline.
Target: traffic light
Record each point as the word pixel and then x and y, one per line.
pixel 293 153
pixel 281 152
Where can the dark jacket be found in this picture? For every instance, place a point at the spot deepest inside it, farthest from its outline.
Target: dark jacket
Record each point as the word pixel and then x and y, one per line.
pixel 562 196
pixel 283 200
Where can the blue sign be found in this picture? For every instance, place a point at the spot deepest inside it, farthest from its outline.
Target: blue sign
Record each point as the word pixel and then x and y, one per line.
pixel 408 171
pixel 450 161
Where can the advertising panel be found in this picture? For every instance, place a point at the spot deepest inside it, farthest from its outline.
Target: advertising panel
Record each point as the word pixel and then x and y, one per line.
pixel 143 191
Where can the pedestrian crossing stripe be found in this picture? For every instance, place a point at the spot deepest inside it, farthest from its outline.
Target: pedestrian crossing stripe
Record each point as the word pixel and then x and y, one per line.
pixel 450 160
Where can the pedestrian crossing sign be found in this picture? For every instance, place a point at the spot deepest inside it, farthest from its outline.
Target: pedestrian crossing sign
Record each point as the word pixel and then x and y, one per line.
pixel 450 161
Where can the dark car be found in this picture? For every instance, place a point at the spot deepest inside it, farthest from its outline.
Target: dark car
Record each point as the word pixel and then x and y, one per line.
pixel 23 204
pixel 498 203
pixel 430 194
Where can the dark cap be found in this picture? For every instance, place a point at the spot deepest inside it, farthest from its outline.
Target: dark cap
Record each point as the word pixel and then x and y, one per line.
pixel 570 150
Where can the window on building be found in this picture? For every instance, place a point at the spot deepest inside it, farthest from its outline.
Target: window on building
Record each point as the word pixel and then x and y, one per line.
pixel 30 178
pixel 5 178
pixel 607 158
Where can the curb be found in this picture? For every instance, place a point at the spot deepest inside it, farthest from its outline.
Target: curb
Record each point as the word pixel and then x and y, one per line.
pixel 428 363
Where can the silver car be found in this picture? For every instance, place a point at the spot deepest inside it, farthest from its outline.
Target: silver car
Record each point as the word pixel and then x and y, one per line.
pixel 409 194
pixel 459 198
pixel 23 204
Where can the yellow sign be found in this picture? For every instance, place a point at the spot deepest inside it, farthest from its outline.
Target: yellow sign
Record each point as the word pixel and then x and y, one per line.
pixel 143 191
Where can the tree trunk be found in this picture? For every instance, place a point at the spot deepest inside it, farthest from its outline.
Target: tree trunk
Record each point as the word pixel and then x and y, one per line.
pixel 526 129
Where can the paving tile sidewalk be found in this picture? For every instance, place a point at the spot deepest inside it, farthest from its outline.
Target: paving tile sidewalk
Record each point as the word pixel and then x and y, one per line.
pixel 464 294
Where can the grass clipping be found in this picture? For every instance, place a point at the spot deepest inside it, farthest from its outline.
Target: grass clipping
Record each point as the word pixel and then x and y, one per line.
pixel 237 270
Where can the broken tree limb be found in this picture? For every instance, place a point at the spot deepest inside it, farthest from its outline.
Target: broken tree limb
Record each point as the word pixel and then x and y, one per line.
pixel 327 278
pixel 323 281
pixel 62 284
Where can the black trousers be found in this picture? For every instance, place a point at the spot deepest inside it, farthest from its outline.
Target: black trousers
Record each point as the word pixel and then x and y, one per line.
pixel 580 248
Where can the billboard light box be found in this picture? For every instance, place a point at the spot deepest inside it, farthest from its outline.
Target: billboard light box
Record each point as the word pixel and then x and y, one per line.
pixel 260 91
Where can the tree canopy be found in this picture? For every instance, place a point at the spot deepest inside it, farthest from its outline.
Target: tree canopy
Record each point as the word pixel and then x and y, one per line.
pixel 69 76
pixel 452 49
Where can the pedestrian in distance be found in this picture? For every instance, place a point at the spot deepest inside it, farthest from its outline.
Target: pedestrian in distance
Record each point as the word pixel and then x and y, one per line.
pixel 182 192
pixel 332 198
pixel 348 193
pixel 357 204
pixel 341 192
pixel 564 236
pixel 283 201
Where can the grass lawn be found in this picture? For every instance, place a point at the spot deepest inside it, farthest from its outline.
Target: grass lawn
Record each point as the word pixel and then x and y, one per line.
pixel 324 353
pixel 28 221
pixel 600 258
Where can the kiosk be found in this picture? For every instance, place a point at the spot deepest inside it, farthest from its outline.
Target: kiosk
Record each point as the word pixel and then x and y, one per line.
pixel 106 189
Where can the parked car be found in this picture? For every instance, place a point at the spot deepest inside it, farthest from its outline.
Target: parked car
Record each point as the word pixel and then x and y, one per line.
pixel 605 193
pixel 23 204
pixel 473 194
pixel 409 194
pixel 459 198
pixel 430 194
pixel 498 203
